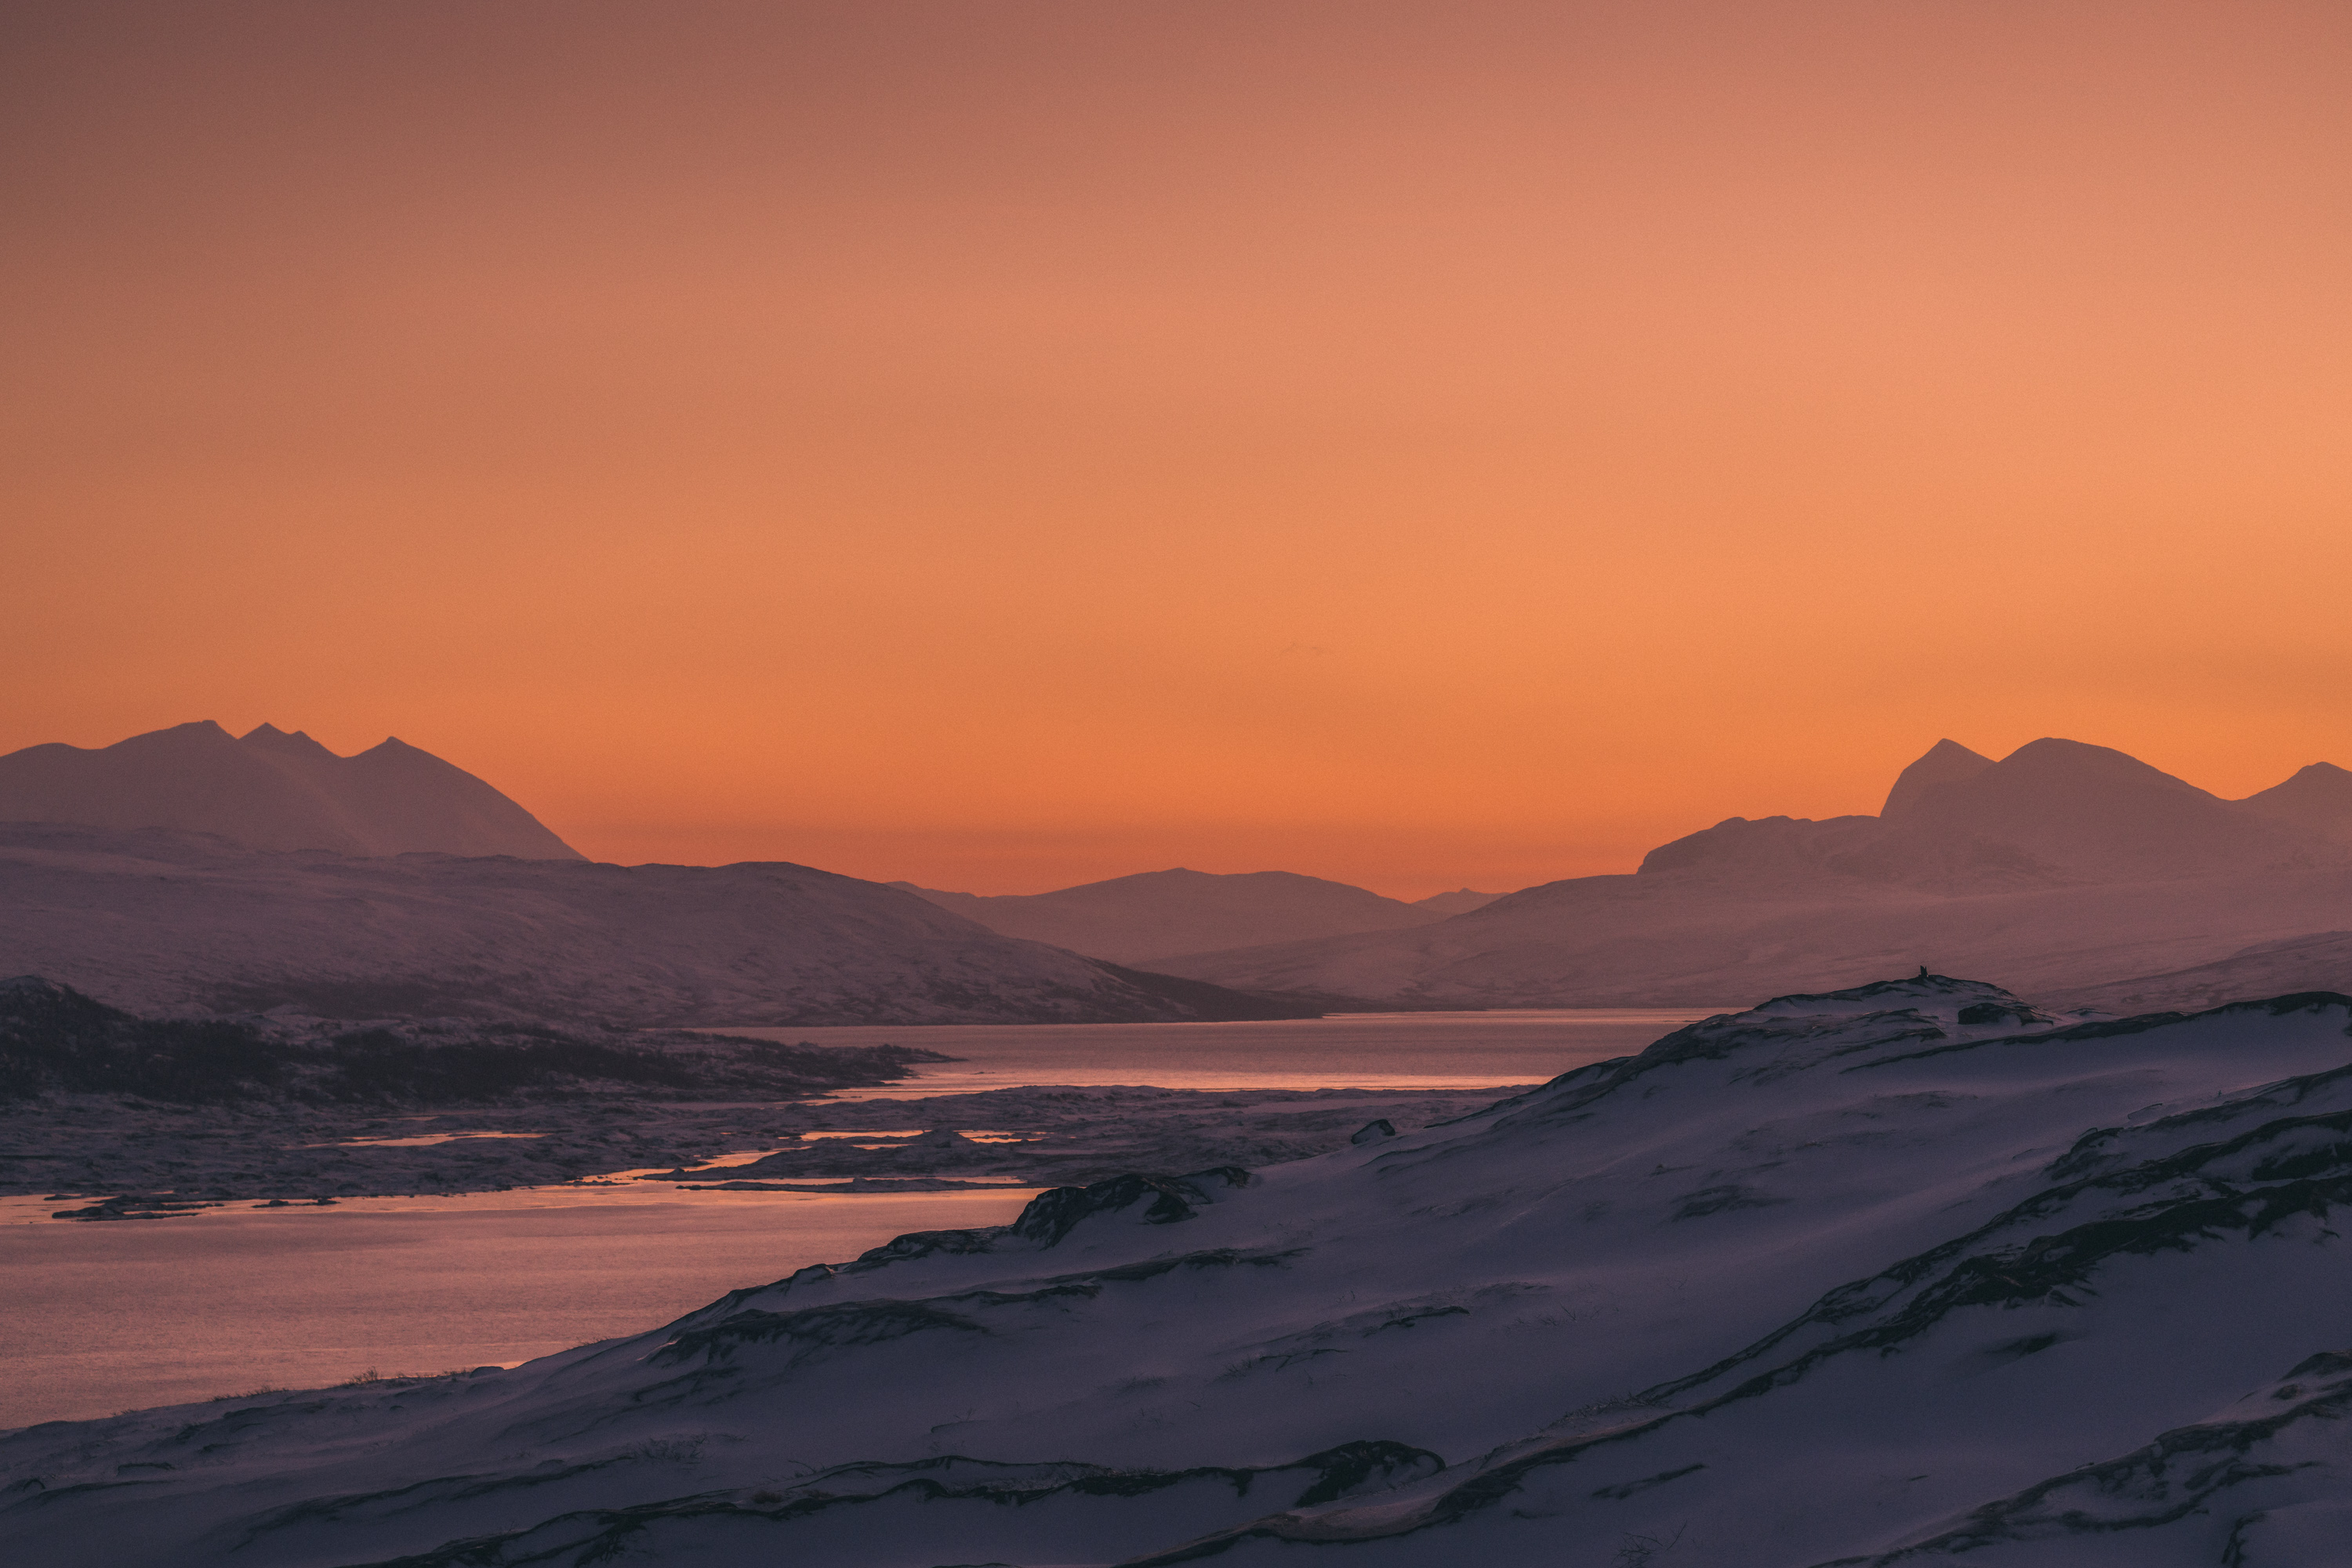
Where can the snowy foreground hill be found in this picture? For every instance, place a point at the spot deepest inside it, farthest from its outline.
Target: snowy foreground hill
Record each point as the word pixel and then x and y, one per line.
pixel 1900 1274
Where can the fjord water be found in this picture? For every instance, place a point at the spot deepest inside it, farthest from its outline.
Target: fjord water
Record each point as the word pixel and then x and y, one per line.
pixel 1341 1050
pixel 99 1318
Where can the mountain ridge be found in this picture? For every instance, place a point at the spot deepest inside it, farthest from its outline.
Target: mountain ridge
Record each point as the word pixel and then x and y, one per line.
pixel 158 921
pixel 2065 863
pixel 1147 915
pixel 274 790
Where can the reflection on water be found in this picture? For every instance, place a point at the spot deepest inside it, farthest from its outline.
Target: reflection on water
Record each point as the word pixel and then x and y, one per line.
pixel 1346 1050
pixel 101 1317
pixel 419 1141
pixel 97 1318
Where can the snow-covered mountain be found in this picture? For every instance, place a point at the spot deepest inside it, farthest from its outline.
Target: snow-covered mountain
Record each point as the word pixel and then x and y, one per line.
pixel 156 921
pixel 2053 813
pixel 270 790
pixel 2318 798
pixel 1905 1274
pixel 2063 865
pixel 1154 914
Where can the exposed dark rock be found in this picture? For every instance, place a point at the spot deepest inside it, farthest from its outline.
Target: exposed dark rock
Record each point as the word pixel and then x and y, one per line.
pixel 1051 1216
pixel 816 1328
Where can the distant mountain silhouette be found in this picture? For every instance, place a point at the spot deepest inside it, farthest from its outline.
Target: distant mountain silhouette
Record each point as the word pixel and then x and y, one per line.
pixel 2049 813
pixel 272 790
pixel 1157 914
pixel 1946 761
pixel 1461 901
pixel 2063 868
pixel 2318 798
pixel 158 921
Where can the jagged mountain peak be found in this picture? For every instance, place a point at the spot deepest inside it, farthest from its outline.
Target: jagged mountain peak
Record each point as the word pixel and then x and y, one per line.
pixel 286 743
pixel 2069 864
pixel 2051 764
pixel 1946 761
pixel 276 790
pixel 2053 812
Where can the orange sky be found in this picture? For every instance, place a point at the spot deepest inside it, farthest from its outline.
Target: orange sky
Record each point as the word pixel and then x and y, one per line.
pixel 1003 445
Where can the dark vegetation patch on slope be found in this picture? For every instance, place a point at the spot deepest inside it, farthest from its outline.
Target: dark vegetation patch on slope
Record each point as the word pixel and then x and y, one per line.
pixel 53 1039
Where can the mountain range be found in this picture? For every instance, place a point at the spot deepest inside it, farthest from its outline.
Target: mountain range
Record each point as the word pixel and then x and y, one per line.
pixel 326 881
pixel 158 922
pixel 2072 868
pixel 271 790
pixel 1903 1275
pixel 1153 914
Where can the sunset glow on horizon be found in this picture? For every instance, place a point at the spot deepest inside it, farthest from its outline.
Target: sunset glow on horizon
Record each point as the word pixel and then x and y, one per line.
pixel 1003 447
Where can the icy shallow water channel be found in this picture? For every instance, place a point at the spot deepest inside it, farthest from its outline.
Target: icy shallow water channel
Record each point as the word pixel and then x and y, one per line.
pixel 99 1318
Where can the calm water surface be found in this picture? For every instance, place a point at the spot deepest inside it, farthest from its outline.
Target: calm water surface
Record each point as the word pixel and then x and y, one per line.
pixel 99 1318
pixel 1349 1050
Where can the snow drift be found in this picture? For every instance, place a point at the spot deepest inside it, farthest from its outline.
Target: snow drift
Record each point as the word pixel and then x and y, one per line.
pixel 1905 1273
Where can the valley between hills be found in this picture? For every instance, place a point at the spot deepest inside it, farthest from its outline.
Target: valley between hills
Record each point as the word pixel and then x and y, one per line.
pixel 1874 1264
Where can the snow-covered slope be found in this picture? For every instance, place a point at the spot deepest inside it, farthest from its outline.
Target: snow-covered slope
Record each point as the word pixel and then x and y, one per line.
pixel 2321 961
pixel 2318 798
pixel 2063 865
pixel 270 790
pixel 156 921
pixel 1154 914
pixel 1905 1274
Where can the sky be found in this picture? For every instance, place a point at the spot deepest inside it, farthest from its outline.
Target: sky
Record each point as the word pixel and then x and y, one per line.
pixel 1006 445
